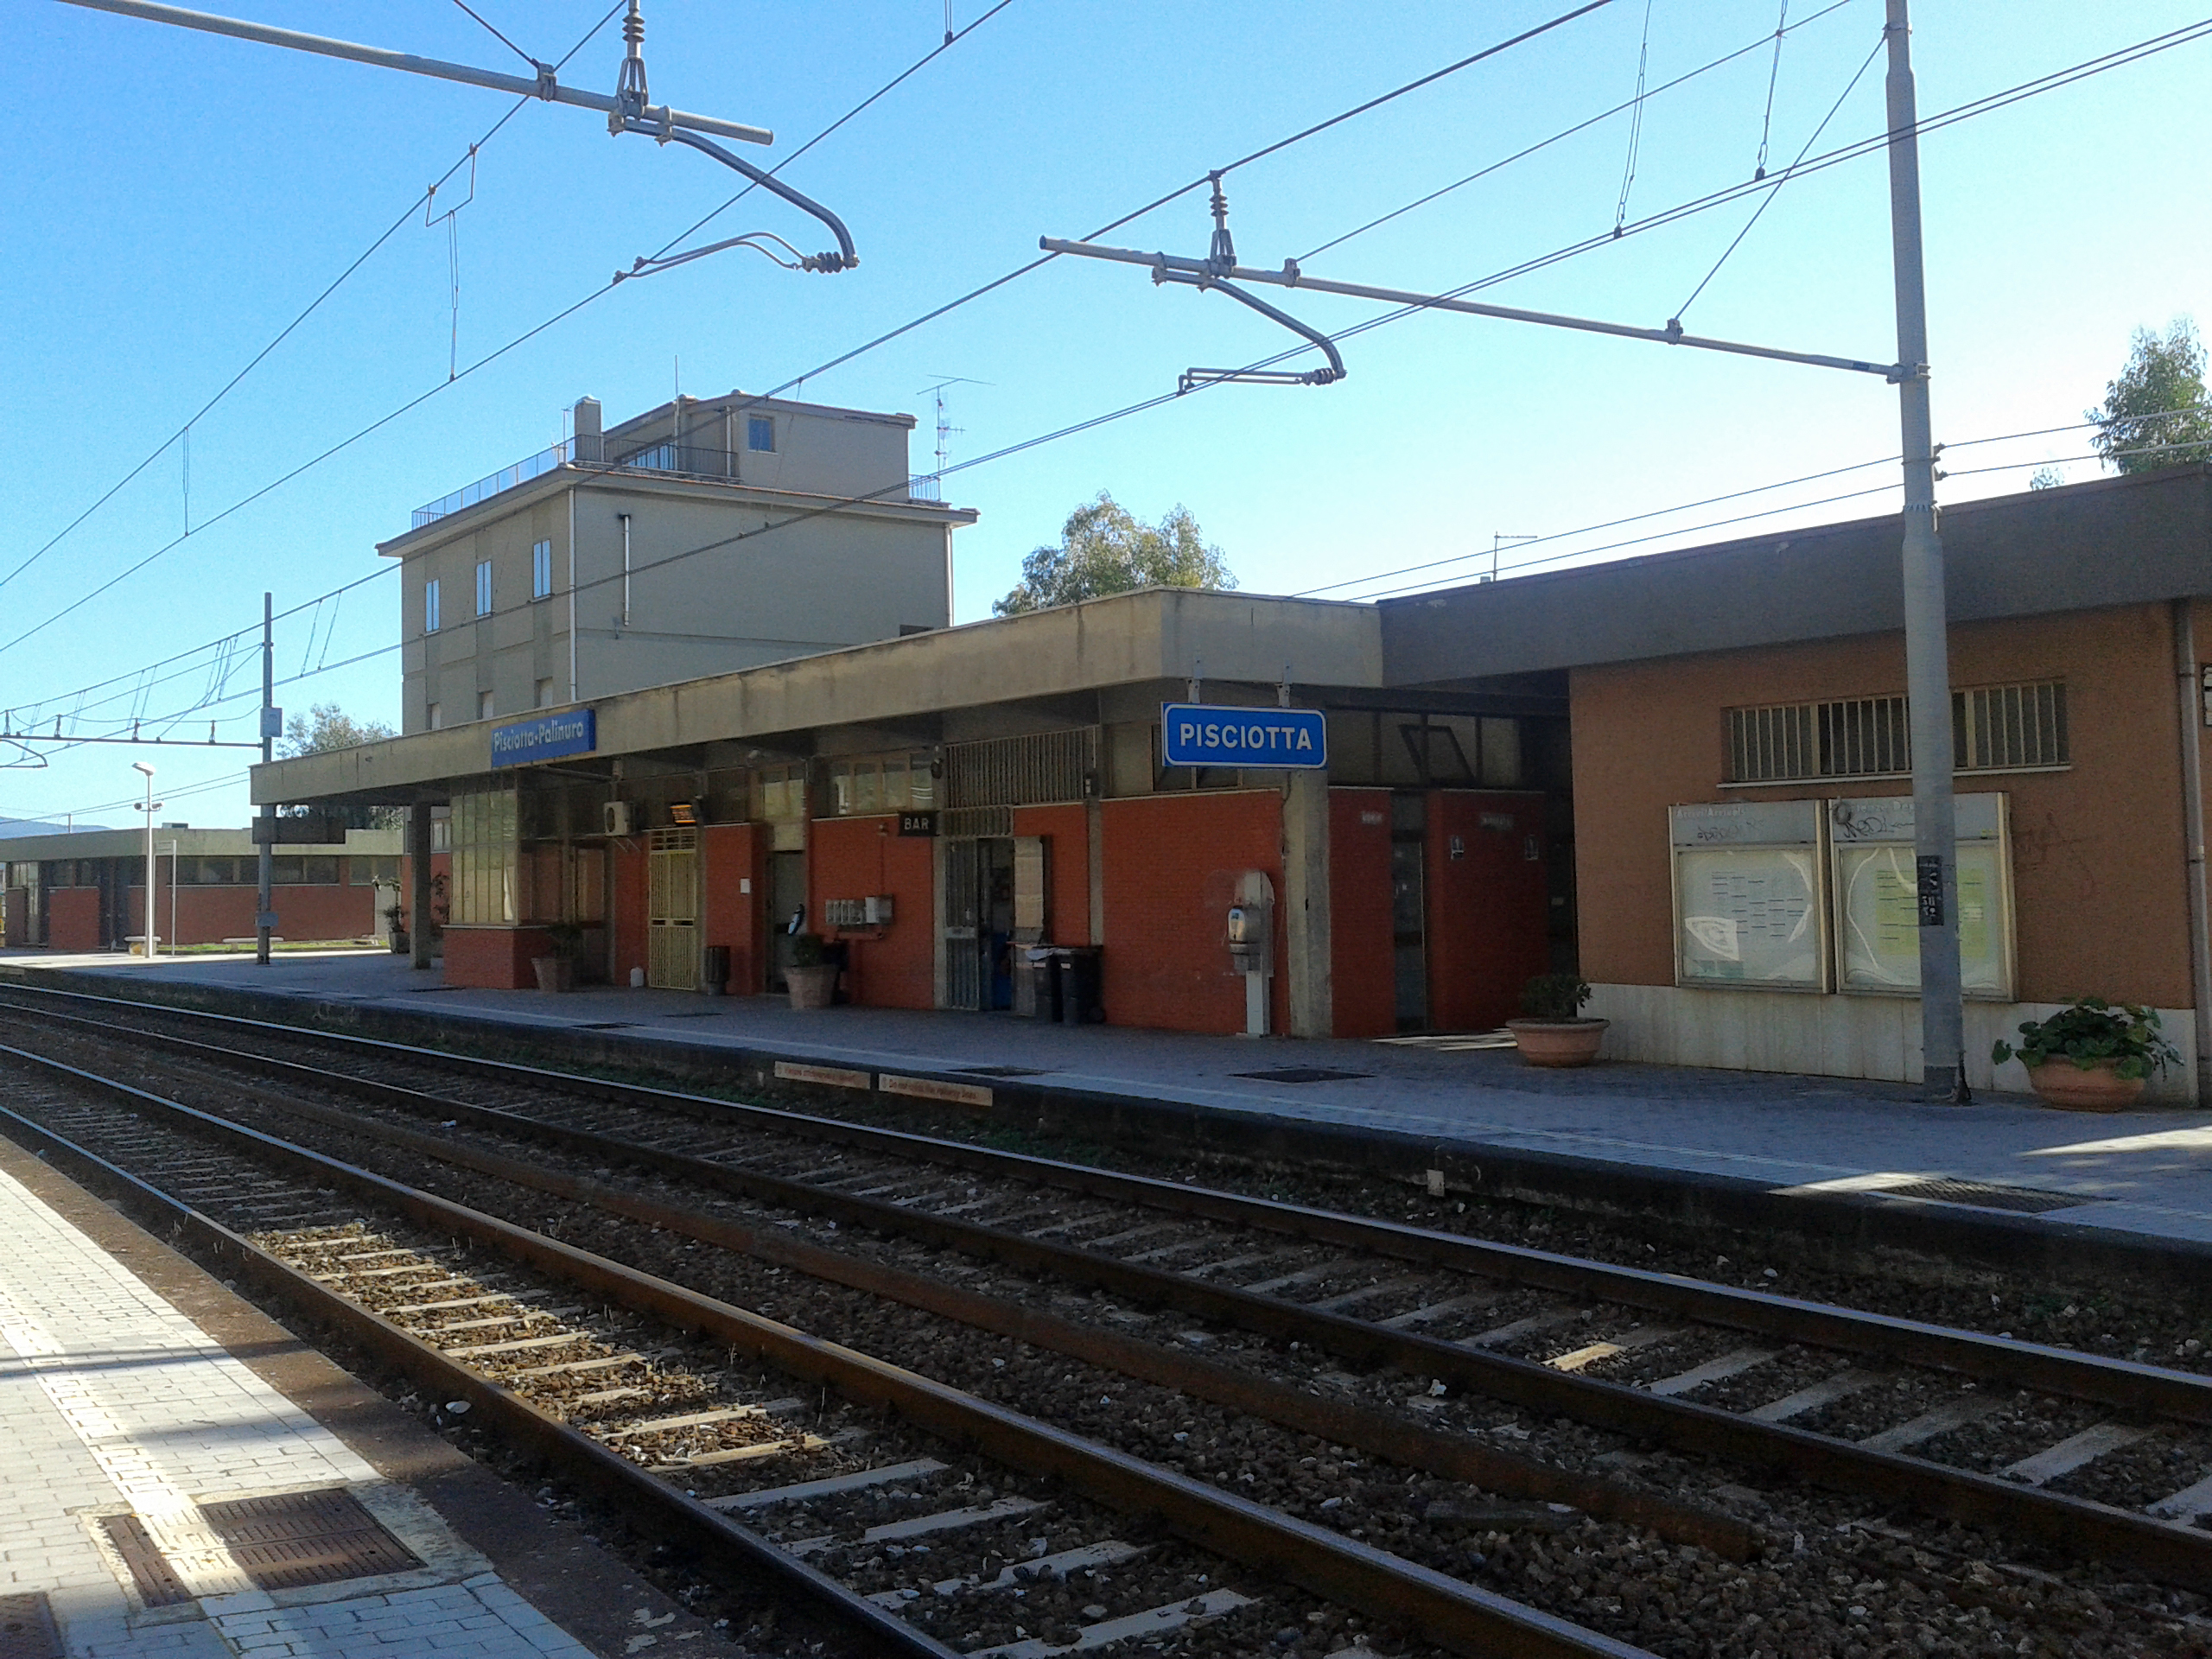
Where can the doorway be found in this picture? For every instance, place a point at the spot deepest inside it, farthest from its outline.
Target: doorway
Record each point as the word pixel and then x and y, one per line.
pixel 672 911
pixel 786 898
pixel 984 876
pixel 1409 907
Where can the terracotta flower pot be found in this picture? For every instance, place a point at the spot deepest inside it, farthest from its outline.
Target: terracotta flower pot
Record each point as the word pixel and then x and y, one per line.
pixel 2067 1086
pixel 810 987
pixel 1557 1042
pixel 554 972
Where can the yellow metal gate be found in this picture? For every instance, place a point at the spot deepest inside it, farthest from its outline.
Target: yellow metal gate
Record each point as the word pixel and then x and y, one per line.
pixel 672 911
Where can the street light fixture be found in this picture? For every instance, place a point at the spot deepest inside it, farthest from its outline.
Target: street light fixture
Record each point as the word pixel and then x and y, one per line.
pixel 151 807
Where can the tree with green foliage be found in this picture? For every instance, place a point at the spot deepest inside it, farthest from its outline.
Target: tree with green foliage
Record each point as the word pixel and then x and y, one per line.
pixel 1104 549
pixel 326 727
pixel 2159 401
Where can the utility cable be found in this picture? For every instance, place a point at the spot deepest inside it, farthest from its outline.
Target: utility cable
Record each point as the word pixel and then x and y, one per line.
pixel 1682 310
pixel 534 64
pixel 1773 79
pixel 390 231
pixel 1635 123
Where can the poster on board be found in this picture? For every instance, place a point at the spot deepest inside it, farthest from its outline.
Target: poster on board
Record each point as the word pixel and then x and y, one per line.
pixel 1877 914
pixel 1749 902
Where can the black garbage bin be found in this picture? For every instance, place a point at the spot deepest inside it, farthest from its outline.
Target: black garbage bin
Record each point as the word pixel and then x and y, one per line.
pixel 714 970
pixel 1077 975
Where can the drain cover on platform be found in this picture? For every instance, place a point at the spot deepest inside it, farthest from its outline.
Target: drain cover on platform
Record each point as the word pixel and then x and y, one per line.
pixel 306 1538
pixel 26 1629
pixel 1302 1074
pixel 1001 1072
pixel 158 1584
pixel 1983 1195
pixel 604 1025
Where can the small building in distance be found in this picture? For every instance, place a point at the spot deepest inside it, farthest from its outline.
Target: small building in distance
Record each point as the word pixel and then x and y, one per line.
pixel 86 891
pixel 703 535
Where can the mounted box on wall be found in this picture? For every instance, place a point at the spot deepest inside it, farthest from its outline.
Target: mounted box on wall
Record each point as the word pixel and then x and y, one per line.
pixel 1749 900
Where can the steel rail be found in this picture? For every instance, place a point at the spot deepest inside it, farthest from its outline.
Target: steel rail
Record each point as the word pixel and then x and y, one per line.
pixel 2178 1555
pixel 1459 1615
pixel 661 1510
pixel 1454 1456
pixel 2121 1384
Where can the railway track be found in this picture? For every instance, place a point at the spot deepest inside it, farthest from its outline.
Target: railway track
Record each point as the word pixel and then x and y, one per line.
pixel 923 1519
pixel 1616 1349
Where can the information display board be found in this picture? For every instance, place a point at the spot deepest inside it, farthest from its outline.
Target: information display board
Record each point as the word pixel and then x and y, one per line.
pixel 1876 897
pixel 1750 908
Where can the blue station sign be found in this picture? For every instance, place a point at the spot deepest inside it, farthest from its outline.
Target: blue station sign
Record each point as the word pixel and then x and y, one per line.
pixel 547 737
pixel 1205 734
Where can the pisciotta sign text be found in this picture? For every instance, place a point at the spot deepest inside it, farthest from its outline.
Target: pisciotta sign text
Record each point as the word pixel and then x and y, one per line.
pixel 1206 735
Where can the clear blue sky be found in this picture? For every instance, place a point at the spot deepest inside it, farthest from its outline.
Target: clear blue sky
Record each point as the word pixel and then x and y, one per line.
pixel 179 198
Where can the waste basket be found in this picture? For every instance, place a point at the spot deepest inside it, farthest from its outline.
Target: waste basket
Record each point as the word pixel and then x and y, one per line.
pixel 1077 970
pixel 714 970
pixel 1036 982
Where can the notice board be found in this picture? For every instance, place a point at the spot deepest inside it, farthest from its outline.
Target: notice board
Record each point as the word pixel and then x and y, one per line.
pixel 1876 916
pixel 1749 904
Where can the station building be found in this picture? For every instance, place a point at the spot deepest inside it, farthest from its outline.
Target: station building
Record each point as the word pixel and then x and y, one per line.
pixel 86 890
pixel 1685 776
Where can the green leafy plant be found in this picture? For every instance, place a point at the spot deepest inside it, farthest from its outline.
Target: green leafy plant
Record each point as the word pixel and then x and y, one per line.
pixel 2091 1033
pixel 1554 996
pixel 564 940
pixel 807 950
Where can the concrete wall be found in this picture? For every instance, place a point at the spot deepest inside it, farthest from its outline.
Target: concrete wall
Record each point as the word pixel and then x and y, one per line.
pixel 2097 849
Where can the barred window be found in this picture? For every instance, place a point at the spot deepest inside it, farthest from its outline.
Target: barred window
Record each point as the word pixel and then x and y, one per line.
pixel 1993 729
pixel 1043 767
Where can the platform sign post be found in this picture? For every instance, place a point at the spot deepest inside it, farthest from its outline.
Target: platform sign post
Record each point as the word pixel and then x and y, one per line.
pixel 1215 735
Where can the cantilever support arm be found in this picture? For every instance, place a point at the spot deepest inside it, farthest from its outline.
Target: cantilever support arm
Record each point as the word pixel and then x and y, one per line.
pixel 844 259
pixel 1291 277
pixel 1334 372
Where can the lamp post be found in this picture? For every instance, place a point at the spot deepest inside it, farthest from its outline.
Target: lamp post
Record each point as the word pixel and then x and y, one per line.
pixel 174 935
pixel 152 805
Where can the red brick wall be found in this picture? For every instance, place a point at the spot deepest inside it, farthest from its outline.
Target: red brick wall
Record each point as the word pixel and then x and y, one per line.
pixel 730 855
pixel 1170 864
pixel 494 958
pixel 891 966
pixel 1487 908
pixel 210 915
pixel 627 899
pixel 1363 963
pixel 1068 869
pixel 73 919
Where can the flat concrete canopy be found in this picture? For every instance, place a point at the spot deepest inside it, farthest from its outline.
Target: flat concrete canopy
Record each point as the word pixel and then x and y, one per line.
pixel 2119 540
pixel 1153 635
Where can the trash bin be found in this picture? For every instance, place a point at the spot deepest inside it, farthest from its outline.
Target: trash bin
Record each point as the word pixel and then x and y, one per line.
pixel 1036 982
pixel 714 970
pixel 1077 971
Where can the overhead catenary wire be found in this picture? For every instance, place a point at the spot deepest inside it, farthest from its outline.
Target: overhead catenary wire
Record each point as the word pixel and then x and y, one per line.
pixel 972 295
pixel 1773 80
pixel 184 431
pixel 1635 122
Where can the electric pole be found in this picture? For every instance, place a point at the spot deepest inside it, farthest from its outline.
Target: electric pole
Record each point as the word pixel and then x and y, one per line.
pixel 1927 644
pixel 273 722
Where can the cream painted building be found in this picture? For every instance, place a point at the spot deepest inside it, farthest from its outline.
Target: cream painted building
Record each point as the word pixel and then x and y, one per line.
pixel 703 537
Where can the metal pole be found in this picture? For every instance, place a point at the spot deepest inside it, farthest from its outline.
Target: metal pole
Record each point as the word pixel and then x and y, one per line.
pixel 173 935
pixel 1927 646
pixel 153 889
pixel 2189 683
pixel 265 921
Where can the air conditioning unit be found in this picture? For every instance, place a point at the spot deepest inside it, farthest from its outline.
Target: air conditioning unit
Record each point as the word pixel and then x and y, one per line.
pixel 615 818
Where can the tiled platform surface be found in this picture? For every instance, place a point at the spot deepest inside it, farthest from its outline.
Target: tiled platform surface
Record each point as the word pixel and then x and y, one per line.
pixel 113 1401
pixel 2146 1172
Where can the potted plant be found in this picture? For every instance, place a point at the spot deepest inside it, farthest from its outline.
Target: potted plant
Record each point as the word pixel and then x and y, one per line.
pixel 1552 1031
pixel 2092 1057
pixel 811 977
pixel 396 920
pixel 557 970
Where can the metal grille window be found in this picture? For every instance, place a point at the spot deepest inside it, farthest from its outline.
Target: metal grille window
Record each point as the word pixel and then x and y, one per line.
pixel 661 458
pixel 1045 766
pixel 1994 728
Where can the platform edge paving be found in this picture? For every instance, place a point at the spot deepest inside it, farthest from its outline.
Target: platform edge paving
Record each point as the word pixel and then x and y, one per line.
pixel 579 1586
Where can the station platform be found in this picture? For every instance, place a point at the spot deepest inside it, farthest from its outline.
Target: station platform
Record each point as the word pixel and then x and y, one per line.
pixel 2145 1175
pixel 173 1463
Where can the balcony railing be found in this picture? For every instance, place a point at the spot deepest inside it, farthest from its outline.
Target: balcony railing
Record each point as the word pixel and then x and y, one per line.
pixel 686 461
pixel 507 478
